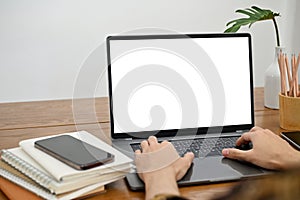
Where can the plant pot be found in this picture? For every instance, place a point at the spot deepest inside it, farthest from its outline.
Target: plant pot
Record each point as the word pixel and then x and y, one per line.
pixel 289 112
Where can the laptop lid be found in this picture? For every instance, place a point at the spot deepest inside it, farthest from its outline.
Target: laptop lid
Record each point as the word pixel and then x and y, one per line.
pixel 181 84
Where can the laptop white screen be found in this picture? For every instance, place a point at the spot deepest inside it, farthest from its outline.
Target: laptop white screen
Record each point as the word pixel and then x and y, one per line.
pixel 165 84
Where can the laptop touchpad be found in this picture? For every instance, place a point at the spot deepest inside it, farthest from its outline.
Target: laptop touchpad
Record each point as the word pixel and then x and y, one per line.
pixel 244 168
pixel 212 169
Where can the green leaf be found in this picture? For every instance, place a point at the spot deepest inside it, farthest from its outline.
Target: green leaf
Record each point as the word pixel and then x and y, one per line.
pixel 237 24
pixel 254 14
pixel 232 29
pixel 249 13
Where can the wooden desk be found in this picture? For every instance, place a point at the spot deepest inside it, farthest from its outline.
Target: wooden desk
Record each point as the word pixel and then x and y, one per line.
pixel 19 121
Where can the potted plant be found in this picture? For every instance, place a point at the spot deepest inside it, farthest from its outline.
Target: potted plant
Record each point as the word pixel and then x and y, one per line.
pixel 272 76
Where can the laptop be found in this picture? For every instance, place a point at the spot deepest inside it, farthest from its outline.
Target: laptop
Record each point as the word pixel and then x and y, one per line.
pixel 194 90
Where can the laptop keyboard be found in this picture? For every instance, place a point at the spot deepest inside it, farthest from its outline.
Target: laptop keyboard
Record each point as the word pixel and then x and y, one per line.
pixel 201 147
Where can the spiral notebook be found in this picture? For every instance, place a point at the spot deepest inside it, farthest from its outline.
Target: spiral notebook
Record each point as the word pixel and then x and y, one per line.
pixel 9 173
pixel 17 158
pixel 16 185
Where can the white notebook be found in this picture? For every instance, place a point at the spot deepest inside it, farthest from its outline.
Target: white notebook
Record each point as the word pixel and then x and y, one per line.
pixel 18 159
pixel 62 172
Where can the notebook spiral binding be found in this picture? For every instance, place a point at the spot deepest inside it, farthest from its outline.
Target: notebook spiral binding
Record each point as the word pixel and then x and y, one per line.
pixel 40 191
pixel 27 169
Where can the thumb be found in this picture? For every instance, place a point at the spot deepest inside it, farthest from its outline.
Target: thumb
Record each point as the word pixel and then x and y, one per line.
pixel 235 154
pixel 183 165
pixel 189 157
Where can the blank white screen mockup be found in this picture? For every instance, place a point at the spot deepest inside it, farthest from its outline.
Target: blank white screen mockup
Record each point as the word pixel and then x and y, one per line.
pixel 228 55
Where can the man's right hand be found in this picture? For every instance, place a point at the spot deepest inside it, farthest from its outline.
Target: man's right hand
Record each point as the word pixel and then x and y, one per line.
pixel 269 150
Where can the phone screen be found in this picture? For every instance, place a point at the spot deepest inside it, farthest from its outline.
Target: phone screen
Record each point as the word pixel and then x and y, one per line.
pixel 73 152
pixel 293 138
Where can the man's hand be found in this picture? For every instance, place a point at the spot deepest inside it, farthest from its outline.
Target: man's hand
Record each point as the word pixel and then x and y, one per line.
pixel 160 166
pixel 269 150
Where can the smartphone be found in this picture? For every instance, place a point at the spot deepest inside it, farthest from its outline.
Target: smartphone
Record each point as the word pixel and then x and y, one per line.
pixel 74 152
pixel 293 138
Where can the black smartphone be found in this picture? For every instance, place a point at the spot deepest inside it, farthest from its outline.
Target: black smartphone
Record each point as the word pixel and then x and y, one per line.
pixel 74 152
pixel 293 138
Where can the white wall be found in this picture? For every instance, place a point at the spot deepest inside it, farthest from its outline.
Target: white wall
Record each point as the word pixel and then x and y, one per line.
pixel 44 44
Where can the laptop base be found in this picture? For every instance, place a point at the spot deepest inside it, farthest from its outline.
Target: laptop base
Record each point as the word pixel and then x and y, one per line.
pixel 208 170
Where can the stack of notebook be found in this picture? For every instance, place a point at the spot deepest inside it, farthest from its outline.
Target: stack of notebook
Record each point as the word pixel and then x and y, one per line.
pixel 49 178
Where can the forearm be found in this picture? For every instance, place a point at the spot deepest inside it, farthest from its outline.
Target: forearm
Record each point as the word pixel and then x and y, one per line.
pixel 162 183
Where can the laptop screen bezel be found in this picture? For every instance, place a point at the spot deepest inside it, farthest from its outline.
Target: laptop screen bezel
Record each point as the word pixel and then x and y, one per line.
pixel 186 131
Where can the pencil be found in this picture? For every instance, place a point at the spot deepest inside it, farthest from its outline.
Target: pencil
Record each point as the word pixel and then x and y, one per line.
pixel 297 66
pixel 281 72
pixel 284 74
pixel 294 75
pixel 288 73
